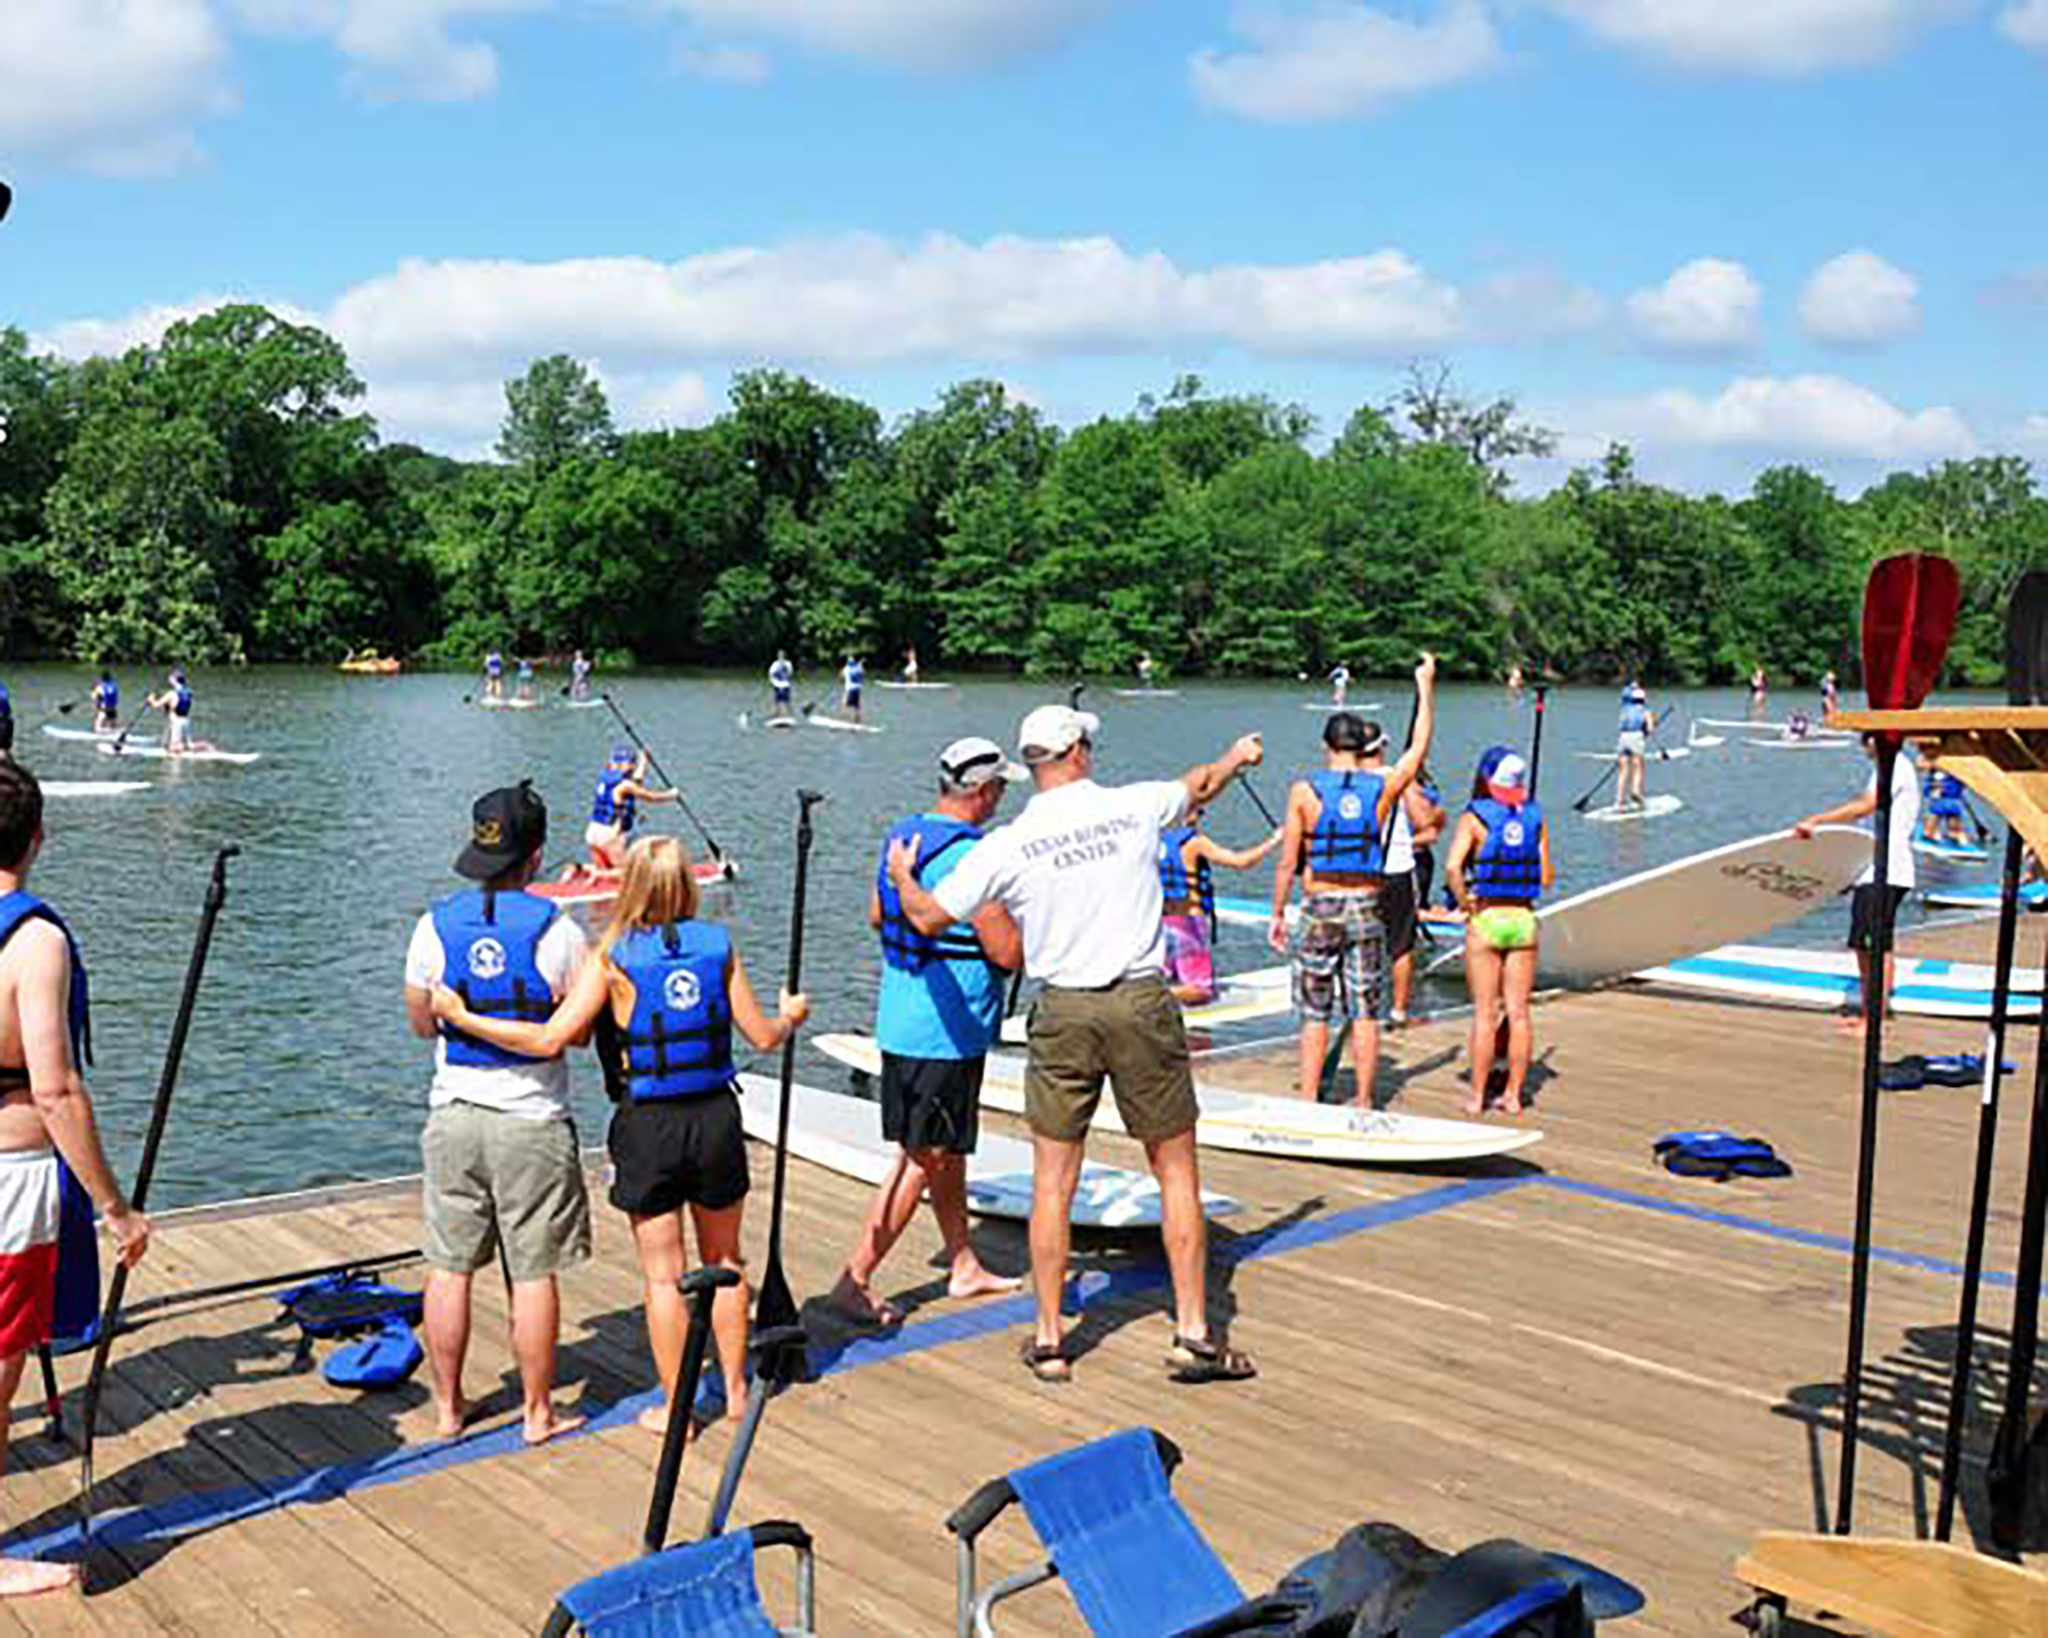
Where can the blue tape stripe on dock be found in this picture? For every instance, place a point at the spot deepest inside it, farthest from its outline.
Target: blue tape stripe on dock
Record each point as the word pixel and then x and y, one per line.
pixel 1757 1225
pixel 209 1510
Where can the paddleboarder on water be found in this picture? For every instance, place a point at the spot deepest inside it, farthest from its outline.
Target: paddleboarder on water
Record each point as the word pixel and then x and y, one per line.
pixel 106 704
pixel 175 701
pixel 1759 692
pixel 1340 684
pixel 525 680
pixel 853 677
pixel 782 683
pixel 910 665
pixel 1631 743
pixel 579 676
pixel 494 675
pixel 613 807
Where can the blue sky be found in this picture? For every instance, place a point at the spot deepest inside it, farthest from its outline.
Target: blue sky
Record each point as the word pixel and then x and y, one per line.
pixel 1731 232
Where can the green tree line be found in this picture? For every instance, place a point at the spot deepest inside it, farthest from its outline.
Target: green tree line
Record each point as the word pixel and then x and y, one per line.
pixel 221 495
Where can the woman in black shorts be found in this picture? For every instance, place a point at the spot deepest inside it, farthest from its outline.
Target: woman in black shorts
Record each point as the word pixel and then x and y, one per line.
pixel 663 993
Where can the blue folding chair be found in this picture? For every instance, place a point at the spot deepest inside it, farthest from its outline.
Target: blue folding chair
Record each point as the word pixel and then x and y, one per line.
pixel 704 1589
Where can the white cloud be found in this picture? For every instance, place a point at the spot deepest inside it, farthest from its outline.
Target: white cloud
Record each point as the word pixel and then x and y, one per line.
pixel 1762 36
pixel 725 64
pixel 1859 299
pixel 1706 306
pixel 398 48
pixel 2025 23
pixel 1329 59
pixel 109 85
pixel 929 35
pixel 1809 416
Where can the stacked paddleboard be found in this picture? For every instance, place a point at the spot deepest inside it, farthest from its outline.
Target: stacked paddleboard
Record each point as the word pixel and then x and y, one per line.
pixel 1925 987
pixel 1251 1124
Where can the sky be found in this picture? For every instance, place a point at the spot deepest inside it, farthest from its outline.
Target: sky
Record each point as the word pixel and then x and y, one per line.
pixel 1731 233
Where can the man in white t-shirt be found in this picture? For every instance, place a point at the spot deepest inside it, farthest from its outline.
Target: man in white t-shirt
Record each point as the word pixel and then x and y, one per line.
pixel 502 1173
pixel 1865 905
pixel 1078 870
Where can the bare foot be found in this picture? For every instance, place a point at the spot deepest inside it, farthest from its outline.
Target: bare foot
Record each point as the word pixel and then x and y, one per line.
pixel 851 1300
pixel 24 1577
pixel 451 1419
pixel 655 1419
pixel 973 1280
pixel 1510 1106
pixel 1852 1026
pixel 1475 1105
pixel 549 1423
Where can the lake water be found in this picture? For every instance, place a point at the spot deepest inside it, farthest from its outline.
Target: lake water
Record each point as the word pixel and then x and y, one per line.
pixel 300 1069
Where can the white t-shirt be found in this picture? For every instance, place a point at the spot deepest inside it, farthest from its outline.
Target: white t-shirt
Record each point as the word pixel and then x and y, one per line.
pixel 1079 870
pixel 1905 823
pixel 535 1091
pixel 1401 842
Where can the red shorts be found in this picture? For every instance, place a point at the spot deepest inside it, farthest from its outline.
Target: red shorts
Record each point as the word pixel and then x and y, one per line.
pixel 29 1212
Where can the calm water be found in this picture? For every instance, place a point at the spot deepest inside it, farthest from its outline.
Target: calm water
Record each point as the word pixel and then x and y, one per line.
pixel 301 1071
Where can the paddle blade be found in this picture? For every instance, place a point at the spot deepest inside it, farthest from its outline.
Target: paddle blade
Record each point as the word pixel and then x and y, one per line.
pixel 2026 640
pixel 1909 615
pixel 776 1304
pixel 783 1358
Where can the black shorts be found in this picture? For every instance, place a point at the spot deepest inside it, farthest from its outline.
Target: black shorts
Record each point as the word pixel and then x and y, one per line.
pixel 1425 876
pixel 1863 912
pixel 1397 914
pixel 676 1152
pixel 932 1103
pixel 6 733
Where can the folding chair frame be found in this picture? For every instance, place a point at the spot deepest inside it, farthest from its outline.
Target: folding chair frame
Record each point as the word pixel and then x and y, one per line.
pixel 770 1533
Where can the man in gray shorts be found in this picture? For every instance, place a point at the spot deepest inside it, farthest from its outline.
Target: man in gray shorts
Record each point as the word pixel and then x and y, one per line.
pixel 503 1173
pixel 1078 870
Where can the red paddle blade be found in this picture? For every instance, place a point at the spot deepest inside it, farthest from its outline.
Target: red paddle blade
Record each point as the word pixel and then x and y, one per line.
pixel 1909 615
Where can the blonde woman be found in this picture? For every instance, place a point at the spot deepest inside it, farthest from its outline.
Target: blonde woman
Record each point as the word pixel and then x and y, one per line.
pixel 663 993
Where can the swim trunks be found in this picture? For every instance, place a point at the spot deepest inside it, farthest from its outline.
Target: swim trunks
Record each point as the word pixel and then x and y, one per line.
pixel 1506 927
pixel 30 1209
pixel 1340 957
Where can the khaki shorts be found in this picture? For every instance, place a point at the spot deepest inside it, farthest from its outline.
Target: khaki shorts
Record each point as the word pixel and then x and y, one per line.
pixel 1130 1032
pixel 490 1175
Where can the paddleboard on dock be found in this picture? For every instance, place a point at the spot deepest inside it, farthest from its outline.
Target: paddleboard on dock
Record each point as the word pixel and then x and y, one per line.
pixel 1925 987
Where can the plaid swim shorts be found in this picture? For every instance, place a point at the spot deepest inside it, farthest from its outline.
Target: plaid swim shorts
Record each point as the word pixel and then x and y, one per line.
pixel 1340 957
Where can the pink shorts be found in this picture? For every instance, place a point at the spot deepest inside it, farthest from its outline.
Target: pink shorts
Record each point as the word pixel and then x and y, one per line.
pixel 1187 954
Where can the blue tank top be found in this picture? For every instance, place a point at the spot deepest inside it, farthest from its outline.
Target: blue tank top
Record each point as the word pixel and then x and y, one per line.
pixel 937 835
pixel 1509 863
pixel 490 956
pixel 1346 835
pixel 678 1043
pixel 1175 884
pixel 608 807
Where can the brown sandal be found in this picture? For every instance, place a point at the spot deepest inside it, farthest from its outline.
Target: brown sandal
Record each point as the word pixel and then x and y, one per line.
pixel 1047 1361
pixel 1192 1361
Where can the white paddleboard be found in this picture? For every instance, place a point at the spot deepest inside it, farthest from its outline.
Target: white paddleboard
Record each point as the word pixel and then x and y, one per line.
pixel 1726 894
pixel 1658 753
pixel 1146 693
pixel 1332 705
pixel 1757 725
pixel 1977 896
pixel 816 720
pixel 907 686
pixel 844 1134
pixel 780 722
pixel 1962 852
pixel 583 705
pixel 1924 986
pixel 93 787
pixel 1704 742
pixel 1240 998
pixel 1810 743
pixel 1250 1124
pixel 156 753
pixel 98 736
pixel 509 705
pixel 1651 807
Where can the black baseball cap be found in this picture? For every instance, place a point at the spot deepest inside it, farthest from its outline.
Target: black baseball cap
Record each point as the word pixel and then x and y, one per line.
pixel 507 826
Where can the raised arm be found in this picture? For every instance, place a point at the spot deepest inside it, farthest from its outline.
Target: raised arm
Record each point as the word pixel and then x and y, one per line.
pixel 1402 774
pixel 569 1025
pixel 1205 781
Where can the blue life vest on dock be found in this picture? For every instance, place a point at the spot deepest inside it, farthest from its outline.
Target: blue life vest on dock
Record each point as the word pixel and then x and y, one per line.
pixel 678 1043
pixel 1346 836
pixel 1509 863
pixel 608 807
pixel 902 944
pixel 490 945
pixel 1174 881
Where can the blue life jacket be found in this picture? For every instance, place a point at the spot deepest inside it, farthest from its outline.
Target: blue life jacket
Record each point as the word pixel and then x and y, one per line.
pixel 490 944
pixel 1346 836
pixel 6 702
pixel 608 807
pixel 1509 863
pixel 1174 881
pixel 1635 711
pixel 526 671
pixel 1944 796
pixel 902 944
pixel 856 674
pixel 75 1320
pixel 181 699
pixel 106 696
pixel 781 674
pixel 494 665
pixel 678 1043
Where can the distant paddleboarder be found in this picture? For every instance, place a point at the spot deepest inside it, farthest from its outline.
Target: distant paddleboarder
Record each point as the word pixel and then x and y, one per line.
pixel 613 808
pixel 1759 692
pixel 1830 694
pixel 939 1011
pixel 1943 808
pixel 1864 906
pixel 579 676
pixel 1145 669
pixel 910 666
pixel 53 1167
pixel 175 701
pixel 853 677
pixel 494 675
pixel 1515 684
pixel 1631 744
pixel 782 684
pixel 1499 865
pixel 106 704
pixel 525 680
pixel 1340 684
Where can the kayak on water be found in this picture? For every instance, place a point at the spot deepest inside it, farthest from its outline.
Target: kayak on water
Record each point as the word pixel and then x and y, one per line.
pixel 157 753
pixel 582 885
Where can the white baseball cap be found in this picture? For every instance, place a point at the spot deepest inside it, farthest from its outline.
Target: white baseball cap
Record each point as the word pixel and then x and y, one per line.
pixel 968 764
pixel 1054 730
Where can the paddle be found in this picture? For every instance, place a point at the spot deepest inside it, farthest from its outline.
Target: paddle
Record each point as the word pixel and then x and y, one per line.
pixel 2026 680
pixel 700 1286
pixel 174 1054
pixel 134 723
pixel 660 773
pixel 2008 1470
pixel 1074 693
pixel 776 1307
pixel 1909 614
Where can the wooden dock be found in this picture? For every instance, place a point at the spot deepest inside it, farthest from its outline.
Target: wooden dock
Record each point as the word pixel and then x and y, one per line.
pixel 1585 1353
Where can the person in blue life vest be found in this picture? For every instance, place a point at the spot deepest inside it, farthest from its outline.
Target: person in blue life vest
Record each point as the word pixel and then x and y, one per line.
pixel 663 995
pixel 1498 866
pixel 1941 809
pixel 494 675
pixel 106 704
pixel 1188 860
pixel 853 677
pixel 621 788
pixel 1340 684
pixel 1337 823
pixel 579 676
pixel 53 1167
pixel 939 1010
pixel 525 689
pixel 6 721
pixel 781 683
pixel 175 701
pixel 502 1172
pixel 1631 743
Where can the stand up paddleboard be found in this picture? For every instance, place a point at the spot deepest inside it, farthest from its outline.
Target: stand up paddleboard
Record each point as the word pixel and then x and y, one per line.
pixel 1740 891
pixel 1963 852
pixel 1651 807
pixel 910 686
pixel 95 736
pixel 157 753
pixel 1979 896
pixel 1250 1124
pixel 1809 743
pixel 512 705
pixel 844 1134
pixel 1661 753
pixel 93 787
pixel 583 705
pixel 1240 999
pixel 602 886
pixel 1258 913
pixel 1332 705
pixel 1924 987
pixel 841 723
pixel 780 722
pixel 1146 693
